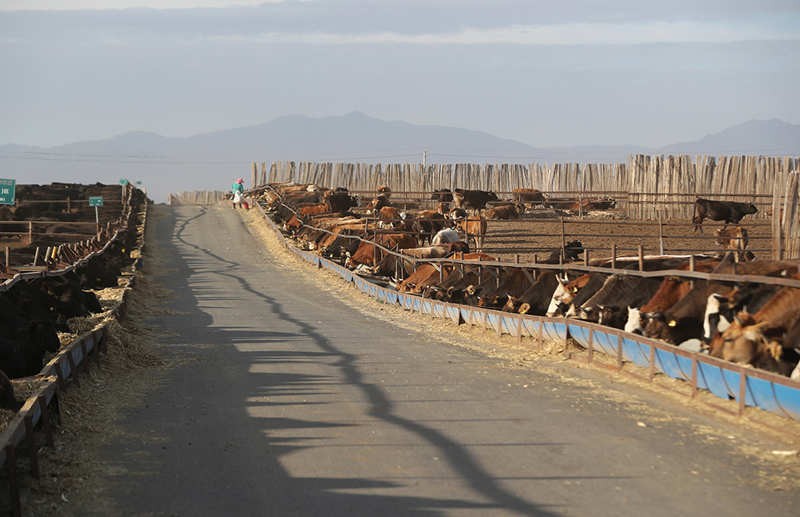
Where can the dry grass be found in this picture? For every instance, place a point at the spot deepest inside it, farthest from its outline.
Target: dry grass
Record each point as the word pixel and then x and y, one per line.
pixel 73 476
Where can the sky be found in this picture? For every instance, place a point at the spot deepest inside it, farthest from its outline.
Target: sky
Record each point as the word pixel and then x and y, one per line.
pixel 546 73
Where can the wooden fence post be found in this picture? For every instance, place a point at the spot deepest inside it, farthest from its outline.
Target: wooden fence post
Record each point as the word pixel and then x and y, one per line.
pixel 660 235
pixel 613 255
pixel 30 232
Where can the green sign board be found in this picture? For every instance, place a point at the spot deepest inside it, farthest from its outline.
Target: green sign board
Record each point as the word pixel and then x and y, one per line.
pixel 96 201
pixel 7 191
pixel 138 182
pixel 123 182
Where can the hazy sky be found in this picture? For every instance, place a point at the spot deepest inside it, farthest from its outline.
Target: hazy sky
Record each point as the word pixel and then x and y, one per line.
pixel 586 72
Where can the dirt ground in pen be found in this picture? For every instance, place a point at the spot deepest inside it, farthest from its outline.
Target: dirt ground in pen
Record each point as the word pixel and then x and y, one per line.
pixel 532 235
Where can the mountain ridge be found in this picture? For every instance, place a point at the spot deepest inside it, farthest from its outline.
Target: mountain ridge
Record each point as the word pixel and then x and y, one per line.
pixel 207 160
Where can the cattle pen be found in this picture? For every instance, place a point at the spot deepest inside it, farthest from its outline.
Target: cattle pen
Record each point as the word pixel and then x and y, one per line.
pixel 628 353
pixel 645 188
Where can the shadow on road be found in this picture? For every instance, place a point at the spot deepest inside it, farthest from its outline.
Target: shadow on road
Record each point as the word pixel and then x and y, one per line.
pixel 219 380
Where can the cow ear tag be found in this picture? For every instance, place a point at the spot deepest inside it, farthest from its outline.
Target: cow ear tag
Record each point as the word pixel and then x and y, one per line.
pixel 672 323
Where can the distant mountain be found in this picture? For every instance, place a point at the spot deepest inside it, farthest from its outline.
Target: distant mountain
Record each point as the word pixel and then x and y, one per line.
pixel 759 137
pixel 212 160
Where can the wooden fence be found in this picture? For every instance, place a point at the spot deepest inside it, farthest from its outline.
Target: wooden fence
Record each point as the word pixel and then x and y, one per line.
pixel 647 187
pixel 197 197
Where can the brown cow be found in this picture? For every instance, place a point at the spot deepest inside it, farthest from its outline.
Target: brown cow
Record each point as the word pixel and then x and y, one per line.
pixel 529 195
pixel 305 211
pixel 384 191
pixel 367 253
pixel 505 212
pixel 758 339
pixel 389 216
pixel 474 227
pixel 425 275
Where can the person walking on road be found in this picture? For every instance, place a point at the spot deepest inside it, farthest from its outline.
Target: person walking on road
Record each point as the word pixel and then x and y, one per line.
pixel 237 188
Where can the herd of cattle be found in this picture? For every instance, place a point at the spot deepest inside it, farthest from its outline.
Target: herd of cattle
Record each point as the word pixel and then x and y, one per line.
pixel 748 323
pixel 34 311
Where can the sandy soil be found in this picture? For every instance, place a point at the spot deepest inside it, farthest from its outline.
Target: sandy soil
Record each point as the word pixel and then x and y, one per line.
pixel 525 236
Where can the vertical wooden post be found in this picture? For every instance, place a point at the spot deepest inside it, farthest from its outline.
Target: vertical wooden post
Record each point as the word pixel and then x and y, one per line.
pixel 613 255
pixel 590 354
pixel 660 235
pixel 13 482
pixel 691 268
pixel 36 256
pixel 535 271
pixel 30 232
pixel 516 258
pixel 586 257
pixel 563 237
pixel 619 352
pixel 7 258
pixel 640 251
pixel 255 175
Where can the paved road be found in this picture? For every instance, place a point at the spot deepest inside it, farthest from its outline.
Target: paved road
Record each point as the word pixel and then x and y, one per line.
pixel 293 403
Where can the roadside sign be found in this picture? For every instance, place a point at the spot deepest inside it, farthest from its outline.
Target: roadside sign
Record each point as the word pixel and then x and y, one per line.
pixel 8 189
pixel 96 201
pixel 123 182
pixel 138 182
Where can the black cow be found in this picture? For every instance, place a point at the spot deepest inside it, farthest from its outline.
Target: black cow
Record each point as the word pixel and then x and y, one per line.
pixel 22 353
pixel 474 199
pixel 443 195
pixel 339 201
pixel 7 399
pixel 728 211
pixel 571 252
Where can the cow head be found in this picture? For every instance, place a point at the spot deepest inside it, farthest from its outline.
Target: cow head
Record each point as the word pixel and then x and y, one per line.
pixel 511 304
pixel 561 297
pixel 491 196
pixel 750 209
pixel 746 341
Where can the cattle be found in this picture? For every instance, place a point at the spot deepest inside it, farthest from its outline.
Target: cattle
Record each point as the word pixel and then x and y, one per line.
pixel 569 253
pixel 460 286
pixel 608 305
pixel 474 227
pixel 472 199
pixel 505 212
pixel 367 253
pixel 535 299
pixel 392 263
pixel 442 195
pixel 384 191
pixel 586 205
pixel 671 290
pixel 22 351
pixel 445 236
pixel 377 203
pixel 757 339
pixel 425 275
pixel 528 195
pixel 569 295
pixel 339 201
pixel 514 283
pixel 727 211
pixel 444 209
pixel 7 398
pixel 457 214
pixel 426 224
pixel 683 320
pixel 308 210
pixel 389 216
pixel 734 239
